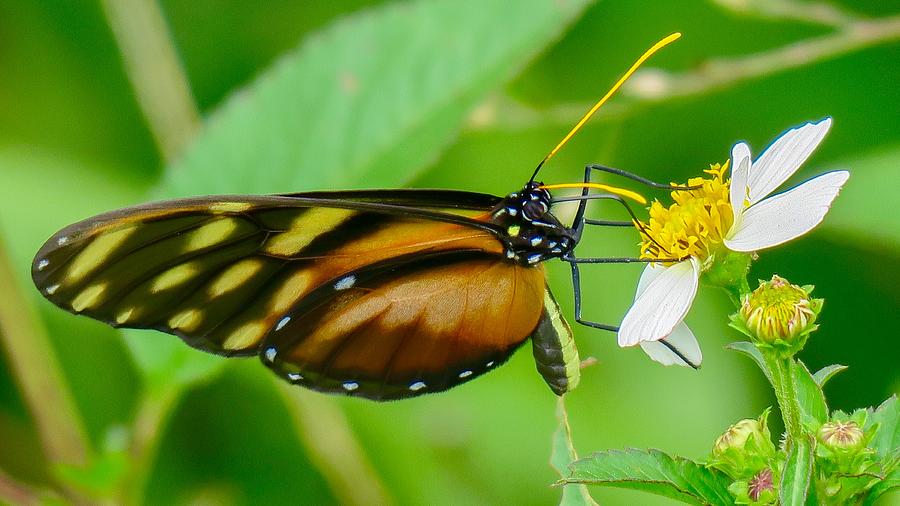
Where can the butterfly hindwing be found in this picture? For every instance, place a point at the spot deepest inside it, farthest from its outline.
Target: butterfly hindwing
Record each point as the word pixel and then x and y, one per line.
pixel 220 272
pixel 409 325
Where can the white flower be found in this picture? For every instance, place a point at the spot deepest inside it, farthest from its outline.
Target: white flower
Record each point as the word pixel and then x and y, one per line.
pixel 665 293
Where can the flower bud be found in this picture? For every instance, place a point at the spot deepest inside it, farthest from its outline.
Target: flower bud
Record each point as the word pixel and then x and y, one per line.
pixel 736 436
pixel 779 313
pixel 841 436
pixel 745 448
pixel 761 488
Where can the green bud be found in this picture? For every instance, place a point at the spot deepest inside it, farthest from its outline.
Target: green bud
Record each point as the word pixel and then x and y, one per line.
pixel 848 467
pixel 779 314
pixel 841 436
pixel 745 448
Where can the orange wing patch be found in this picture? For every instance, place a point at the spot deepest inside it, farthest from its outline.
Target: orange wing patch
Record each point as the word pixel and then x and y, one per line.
pixel 403 330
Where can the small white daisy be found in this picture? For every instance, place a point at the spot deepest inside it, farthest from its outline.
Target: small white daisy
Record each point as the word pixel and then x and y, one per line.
pixel 719 219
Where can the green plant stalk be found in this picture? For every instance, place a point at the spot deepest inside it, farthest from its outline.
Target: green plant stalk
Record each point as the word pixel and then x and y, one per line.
pixel 154 412
pixel 14 492
pixel 782 378
pixel 37 371
pixel 330 443
pixel 152 65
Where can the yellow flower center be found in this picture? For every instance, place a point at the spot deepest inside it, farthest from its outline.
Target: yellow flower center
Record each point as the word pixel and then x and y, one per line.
pixel 695 224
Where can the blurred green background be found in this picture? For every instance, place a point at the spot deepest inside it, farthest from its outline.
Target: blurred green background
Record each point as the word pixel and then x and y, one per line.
pixel 295 96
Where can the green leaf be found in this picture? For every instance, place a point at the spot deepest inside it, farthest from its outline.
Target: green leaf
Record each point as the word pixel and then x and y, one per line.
pixel 890 482
pixel 825 374
pixel 809 394
pixel 887 439
pixel 368 101
pixel 750 350
pixel 795 478
pixel 562 454
pixel 654 472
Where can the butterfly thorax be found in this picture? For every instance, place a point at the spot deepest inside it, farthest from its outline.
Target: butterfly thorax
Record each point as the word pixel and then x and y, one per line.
pixel 530 232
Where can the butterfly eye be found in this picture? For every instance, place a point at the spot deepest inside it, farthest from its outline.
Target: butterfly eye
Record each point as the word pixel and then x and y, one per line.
pixel 534 209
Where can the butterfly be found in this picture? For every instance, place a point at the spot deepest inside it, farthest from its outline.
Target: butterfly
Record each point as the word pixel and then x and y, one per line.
pixel 382 294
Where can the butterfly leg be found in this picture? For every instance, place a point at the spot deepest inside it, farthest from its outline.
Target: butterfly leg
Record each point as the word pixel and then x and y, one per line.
pixel 635 177
pixel 574 262
pixel 576 283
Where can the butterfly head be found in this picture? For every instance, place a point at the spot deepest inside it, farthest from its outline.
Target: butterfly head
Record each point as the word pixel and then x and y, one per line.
pixel 531 233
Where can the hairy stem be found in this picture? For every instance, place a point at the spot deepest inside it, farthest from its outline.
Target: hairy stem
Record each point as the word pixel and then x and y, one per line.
pixel 782 378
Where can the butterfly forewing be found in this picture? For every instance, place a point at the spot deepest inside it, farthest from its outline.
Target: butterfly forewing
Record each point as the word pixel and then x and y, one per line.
pixel 220 272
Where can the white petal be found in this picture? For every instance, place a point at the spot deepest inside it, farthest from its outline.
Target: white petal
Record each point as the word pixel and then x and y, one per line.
pixel 783 158
pixel 740 167
pixel 651 272
pixel 683 340
pixel 787 215
pixel 662 304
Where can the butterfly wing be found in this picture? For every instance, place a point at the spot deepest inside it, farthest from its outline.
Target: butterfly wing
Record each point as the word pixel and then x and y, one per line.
pixel 409 325
pixel 219 272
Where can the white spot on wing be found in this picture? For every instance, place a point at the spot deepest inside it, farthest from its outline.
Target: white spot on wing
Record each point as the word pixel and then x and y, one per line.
pixel 345 283
pixel 52 289
pixel 43 264
pixel 350 386
pixel 415 387
pixel 465 374
pixel 281 323
pixel 295 376
pixel 62 240
pixel 489 364
pixel 271 353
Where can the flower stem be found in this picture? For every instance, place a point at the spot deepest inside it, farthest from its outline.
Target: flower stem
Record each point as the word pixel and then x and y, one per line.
pixel 782 378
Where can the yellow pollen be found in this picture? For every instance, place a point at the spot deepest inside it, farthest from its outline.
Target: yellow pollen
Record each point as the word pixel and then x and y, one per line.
pixel 695 224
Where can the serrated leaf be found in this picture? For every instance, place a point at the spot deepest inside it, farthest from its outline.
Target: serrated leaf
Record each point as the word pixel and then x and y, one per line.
pixel 795 479
pixel 825 374
pixel 809 394
pixel 562 454
pixel 366 102
pixel 750 350
pixel 654 472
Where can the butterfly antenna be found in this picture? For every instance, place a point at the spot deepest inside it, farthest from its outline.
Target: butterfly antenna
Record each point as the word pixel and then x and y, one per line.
pixel 584 119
